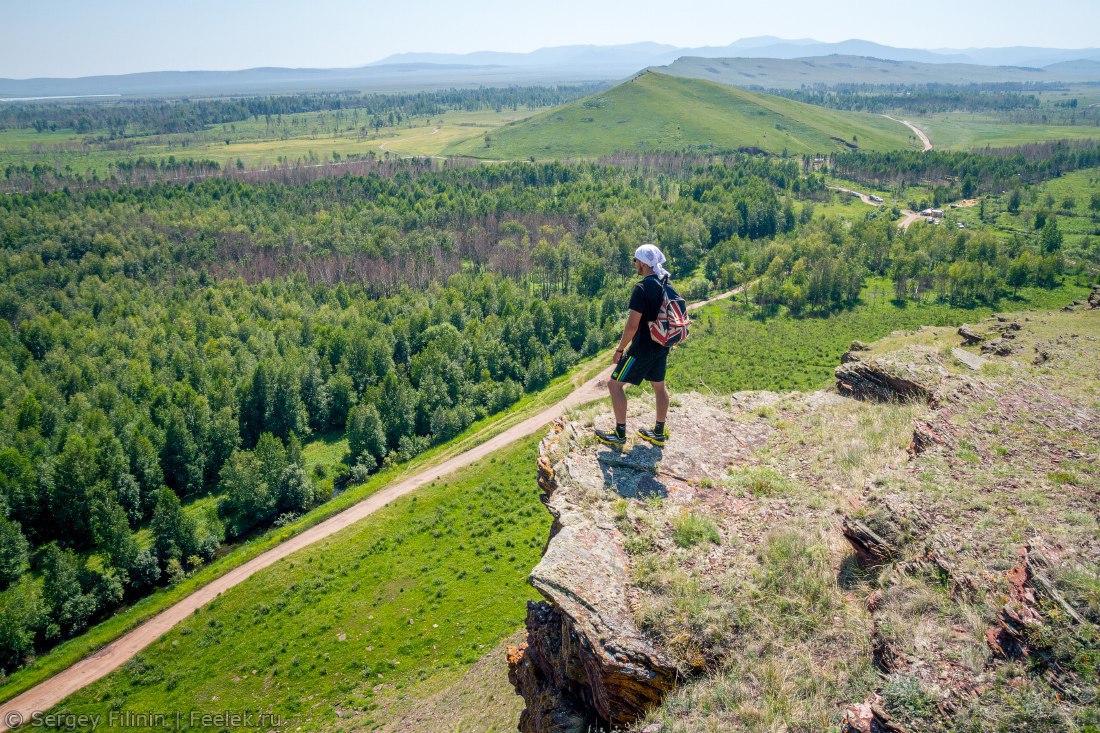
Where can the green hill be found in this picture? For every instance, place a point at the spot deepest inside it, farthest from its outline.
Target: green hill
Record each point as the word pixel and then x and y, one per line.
pixel 659 112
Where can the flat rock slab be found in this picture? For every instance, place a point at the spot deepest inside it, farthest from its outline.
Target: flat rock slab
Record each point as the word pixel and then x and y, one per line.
pixel 974 361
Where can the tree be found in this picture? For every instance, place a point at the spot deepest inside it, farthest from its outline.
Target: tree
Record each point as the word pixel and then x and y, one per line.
pixel 145 467
pixel 397 408
pixel 225 437
pixel 1051 237
pixel 1020 271
pixel 19 488
pixel 247 500
pixel 21 615
pixel 254 405
pixel 591 276
pixel 69 605
pixel 287 413
pixel 183 462
pixel 294 490
pixel 13 551
pixel 366 436
pixel 173 531
pixel 341 391
pixel 75 474
pixel 111 531
pixel 1014 201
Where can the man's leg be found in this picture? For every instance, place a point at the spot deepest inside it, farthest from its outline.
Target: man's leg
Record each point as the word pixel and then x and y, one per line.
pixel 616 437
pixel 661 394
pixel 658 435
pixel 618 400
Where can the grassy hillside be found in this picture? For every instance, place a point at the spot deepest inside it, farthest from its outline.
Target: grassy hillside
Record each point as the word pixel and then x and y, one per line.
pixel 783 353
pixel 660 112
pixel 840 69
pixel 399 605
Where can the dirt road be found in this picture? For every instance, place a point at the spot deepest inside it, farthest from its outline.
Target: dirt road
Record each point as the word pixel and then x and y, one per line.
pixel 920 133
pixel 52 691
pixel 865 198
pixel 908 218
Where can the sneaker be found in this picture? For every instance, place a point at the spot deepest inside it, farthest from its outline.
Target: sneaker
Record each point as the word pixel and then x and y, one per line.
pixel 610 438
pixel 658 439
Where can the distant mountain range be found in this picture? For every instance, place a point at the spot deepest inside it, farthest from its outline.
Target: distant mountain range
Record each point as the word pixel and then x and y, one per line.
pixel 638 55
pixel 561 64
pixel 772 73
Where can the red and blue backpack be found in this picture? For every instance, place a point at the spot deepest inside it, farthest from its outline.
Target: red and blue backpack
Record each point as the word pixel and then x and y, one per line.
pixel 672 323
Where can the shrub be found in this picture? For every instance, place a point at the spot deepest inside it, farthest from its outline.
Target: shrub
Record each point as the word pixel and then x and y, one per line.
pixel 689 529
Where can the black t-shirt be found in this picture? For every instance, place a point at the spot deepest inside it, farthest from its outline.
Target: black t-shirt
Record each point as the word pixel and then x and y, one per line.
pixel 646 298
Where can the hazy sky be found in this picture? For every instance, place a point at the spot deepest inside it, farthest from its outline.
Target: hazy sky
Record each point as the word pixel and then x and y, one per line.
pixel 85 37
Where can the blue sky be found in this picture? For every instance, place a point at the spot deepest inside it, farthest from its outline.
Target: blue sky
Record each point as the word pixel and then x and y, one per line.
pixel 85 37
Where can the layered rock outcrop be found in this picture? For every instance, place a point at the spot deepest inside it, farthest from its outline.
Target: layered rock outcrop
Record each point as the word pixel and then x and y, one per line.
pixel 585 663
pixel 897 518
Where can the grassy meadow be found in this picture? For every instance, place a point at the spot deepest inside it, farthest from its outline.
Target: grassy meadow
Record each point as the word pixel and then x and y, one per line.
pixel 328 451
pixel 406 600
pixel 731 349
pixel 659 112
pixel 966 131
pixel 308 137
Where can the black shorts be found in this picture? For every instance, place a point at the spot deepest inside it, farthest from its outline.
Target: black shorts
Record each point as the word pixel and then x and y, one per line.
pixel 650 365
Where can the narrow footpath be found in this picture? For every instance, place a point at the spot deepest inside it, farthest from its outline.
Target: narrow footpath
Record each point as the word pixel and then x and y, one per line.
pixel 50 692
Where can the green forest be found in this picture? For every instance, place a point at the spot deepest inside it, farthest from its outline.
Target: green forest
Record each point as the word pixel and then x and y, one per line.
pixel 135 117
pixel 166 350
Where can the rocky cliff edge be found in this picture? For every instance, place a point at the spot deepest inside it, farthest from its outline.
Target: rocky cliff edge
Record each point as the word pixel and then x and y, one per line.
pixel 916 548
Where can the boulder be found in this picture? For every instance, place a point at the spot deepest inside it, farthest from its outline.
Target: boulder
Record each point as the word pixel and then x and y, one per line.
pixel 969 335
pixel 888 379
pixel 998 347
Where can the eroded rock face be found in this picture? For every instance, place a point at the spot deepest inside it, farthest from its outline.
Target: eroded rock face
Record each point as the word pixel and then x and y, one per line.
pixel 888 379
pixel 586 665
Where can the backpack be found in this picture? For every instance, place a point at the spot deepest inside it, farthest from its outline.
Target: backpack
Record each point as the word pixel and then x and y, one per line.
pixel 672 323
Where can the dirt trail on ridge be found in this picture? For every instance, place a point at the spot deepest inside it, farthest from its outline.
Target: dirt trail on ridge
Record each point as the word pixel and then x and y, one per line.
pixel 102 662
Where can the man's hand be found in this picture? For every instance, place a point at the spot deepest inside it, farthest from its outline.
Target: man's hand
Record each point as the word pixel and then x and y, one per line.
pixel 617 357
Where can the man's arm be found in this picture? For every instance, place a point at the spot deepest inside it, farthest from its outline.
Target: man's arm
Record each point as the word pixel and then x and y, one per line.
pixel 632 322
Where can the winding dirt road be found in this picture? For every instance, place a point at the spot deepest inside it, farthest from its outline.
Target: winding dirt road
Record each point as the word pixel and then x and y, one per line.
pixel 919 132
pixel 865 198
pixel 46 694
pixel 908 218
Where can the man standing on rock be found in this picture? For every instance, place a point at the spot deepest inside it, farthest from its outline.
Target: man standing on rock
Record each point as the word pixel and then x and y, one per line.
pixel 645 358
